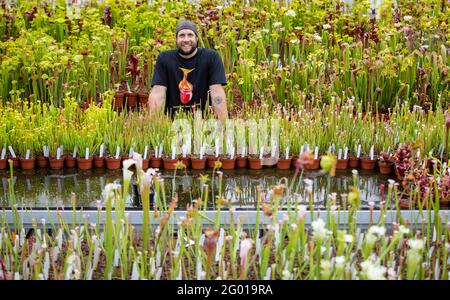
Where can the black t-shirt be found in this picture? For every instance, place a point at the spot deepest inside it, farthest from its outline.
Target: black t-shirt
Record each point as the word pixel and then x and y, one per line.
pixel 188 80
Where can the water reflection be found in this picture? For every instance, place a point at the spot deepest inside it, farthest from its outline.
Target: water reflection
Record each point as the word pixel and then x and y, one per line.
pixel 49 188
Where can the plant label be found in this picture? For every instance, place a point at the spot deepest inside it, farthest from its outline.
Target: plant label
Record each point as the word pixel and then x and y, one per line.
pixel 87 153
pixel 232 152
pixel 287 152
pixel 58 153
pixel 316 152
pixel 62 149
pixel 202 150
pixel 130 154
pixel 46 151
pixel 160 150
pixel 102 149
pixel 3 153
pixel 184 150
pixel 27 155
pixel 340 153
pixel 274 150
pixel 74 152
pixel 371 153
pixel 261 151
pixel 301 149
pixel 156 151
pixel 12 151
pixel 358 152
pixel 217 147
pixel 173 152
pixel 345 152
pixel 145 151
pixel 117 152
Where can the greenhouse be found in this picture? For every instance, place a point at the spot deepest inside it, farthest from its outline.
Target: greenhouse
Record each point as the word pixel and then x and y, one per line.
pixel 224 140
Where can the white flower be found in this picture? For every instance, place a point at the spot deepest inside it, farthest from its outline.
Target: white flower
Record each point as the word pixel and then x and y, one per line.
pixel 416 244
pixel 373 271
pixel 348 238
pixel 319 230
pixel 340 260
pixel 138 160
pixel 246 245
pixel 290 13
pixel 403 230
pixel 378 230
pixel 370 239
pixel 407 18
pixel 277 24
pixel 326 26
pixel 286 275
pixel 317 37
pixel 355 172
pixel 391 183
pixel 109 190
pixel 128 163
pixel 146 180
pixel 301 211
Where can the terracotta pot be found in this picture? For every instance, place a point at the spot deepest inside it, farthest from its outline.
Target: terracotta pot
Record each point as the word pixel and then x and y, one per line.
pixel 42 161
pixel 404 203
pixel 197 163
pixel 386 167
pixel 444 202
pixel 228 164
pixel 353 162
pixel 70 161
pixel 255 163
pixel 145 164
pixel 3 163
pixel 368 164
pixel 315 165
pixel 342 164
pixel 186 161
pixel 16 162
pixel 156 163
pixel 84 164
pixel 211 161
pixel 143 99
pixel 241 162
pixel 27 164
pixel 113 163
pixel 284 164
pixel 169 164
pixel 56 164
pixel 99 162
pixel 118 100
pixel 132 100
pixel 294 160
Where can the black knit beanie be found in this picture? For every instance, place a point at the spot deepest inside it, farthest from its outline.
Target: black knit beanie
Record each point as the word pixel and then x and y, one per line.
pixel 186 25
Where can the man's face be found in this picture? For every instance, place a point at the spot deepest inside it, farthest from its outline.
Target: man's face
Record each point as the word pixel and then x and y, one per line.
pixel 186 41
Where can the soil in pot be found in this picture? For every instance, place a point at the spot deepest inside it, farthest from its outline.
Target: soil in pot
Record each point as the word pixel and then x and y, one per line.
pixel 386 167
pixel 113 163
pixel 284 164
pixel 84 164
pixel 70 161
pixel 197 163
pixel 99 162
pixel 56 164
pixel 353 162
pixel 42 161
pixel 27 164
pixel 255 163
pixel 342 164
pixel 241 162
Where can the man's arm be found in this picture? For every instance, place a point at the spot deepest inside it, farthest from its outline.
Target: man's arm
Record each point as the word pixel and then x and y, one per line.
pixel 156 98
pixel 219 101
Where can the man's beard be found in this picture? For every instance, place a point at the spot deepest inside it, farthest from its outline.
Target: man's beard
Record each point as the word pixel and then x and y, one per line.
pixel 182 52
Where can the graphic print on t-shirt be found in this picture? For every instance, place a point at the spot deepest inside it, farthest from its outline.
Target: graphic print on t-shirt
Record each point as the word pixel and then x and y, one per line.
pixel 186 88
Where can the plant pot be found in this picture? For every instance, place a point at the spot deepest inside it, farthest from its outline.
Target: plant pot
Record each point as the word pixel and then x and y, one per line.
pixel 27 164
pixel 132 100
pixel 294 161
pixel 228 164
pixel 99 162
pixel 284 164
pixel 353 162
pixel 197 163
pixel 3 163
pixel 241 162
pixel 16 162
pixel 444 202
pixel 143 99
pixel 156 162
pixel 56 164
pixel 118 100
pixel 342 164
pixel 70 162
pixel 84 164
pixel 368 164
pixel 185 161
pixel 211 161
pixel 113 163
pixel 145 164
pixel 169 164
pixel 404 203
pixel 42 161
pixel 254 163
pixel 315 165
pixel 386 167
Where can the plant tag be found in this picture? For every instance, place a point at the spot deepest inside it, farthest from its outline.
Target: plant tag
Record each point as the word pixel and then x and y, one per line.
pixel 244 152
pixel 217 147
pixel 3 153
pixel 117 152
pixel 27 156
pixel 358 151
pixel 12 151
pixel 301 150
pixel 173 152
pixel 316 152
pixel 340 153
pixel 389 150
pixel 47 151
pixel 75 152
pixel 371 152
pixel 261 151
pixel 345 152
pixel 274 150
pixel 102 149
pixel 156 151
pixel 184 150
pixel 202 149
pixel 418 154
pixel 87 153
pixel 287 152
pixel 232 152
pixel 62 149
pixel 333 148
pixel 130 154
pixel 145 151
pixel 160 150
pixel 58 153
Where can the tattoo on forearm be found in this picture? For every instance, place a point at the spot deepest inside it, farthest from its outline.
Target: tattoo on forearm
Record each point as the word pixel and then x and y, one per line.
pixel 218 100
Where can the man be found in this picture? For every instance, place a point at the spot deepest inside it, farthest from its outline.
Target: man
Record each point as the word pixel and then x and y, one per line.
pixel 183 77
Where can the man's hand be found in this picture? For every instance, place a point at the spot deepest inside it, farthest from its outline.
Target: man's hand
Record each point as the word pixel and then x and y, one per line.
pixel 219 101
pixel 156 98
